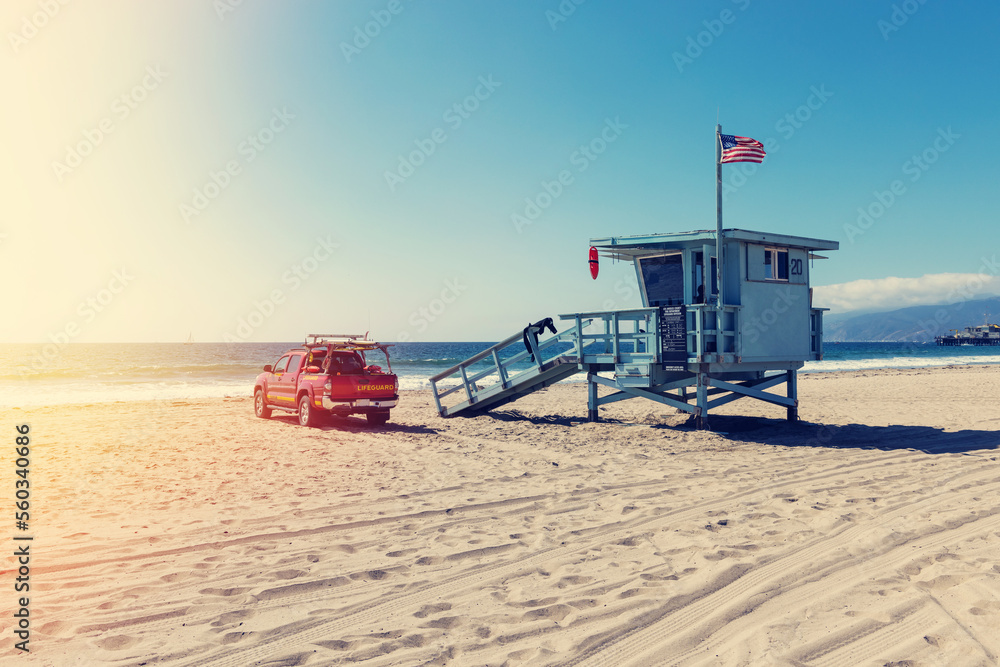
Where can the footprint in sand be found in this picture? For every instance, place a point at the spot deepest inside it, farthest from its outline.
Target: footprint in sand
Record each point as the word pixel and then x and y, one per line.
pixel 587 603
pixel 297 589
pixel 370 575
pixel 523 655
pixel 336 644
pixel 429 560
pixel 224 592
pixel 943 582
pixel 116 643
pixel 573 580
pixel 139 592
pixel 444 623
pixel 556 613
pixel 56 629
pixel 232 617
pixel 401 553
pixel 544 602
pixel 429 609
pixel 634 592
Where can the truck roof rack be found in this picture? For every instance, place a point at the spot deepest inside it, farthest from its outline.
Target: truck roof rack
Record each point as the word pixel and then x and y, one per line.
pixel 343 339
pixel 339 336
pixel 357 342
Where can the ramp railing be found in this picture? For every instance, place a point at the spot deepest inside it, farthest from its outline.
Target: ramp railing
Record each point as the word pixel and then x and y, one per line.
pixel 624 336
pixel 593 341
pixel 499 362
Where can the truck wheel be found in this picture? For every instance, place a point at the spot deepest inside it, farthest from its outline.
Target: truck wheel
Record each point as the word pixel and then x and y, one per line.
pixel 377 418
pixel 259 406
pixel 307 416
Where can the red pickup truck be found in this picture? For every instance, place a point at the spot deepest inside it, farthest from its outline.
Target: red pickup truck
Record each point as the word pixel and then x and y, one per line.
pixel 328 375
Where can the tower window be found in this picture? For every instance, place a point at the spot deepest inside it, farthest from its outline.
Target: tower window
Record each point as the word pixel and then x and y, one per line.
pixel 775 264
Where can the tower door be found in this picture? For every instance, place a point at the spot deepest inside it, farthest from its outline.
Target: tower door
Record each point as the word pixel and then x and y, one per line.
pixel 699 278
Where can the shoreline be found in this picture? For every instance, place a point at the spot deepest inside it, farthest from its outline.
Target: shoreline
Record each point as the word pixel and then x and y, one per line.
pixel 570 381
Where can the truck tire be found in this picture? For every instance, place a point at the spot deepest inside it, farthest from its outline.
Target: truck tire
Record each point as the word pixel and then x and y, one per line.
pixel 377 418
pixel 307 415
pixel 260 405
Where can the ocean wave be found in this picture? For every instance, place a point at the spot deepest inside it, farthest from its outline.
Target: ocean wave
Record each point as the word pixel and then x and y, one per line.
pixel 137 373
pixel 831 365
pixel 35 396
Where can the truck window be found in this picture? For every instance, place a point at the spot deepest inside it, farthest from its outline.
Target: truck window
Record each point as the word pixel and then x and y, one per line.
pixel 295 363
pixel 345 364
pixel 280 365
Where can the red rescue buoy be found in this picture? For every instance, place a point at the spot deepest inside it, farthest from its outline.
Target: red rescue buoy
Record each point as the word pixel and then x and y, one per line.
pixel 594 267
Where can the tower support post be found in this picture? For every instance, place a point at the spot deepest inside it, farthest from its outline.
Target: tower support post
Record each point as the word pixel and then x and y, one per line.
pixel 792 391
pixel 591 399
pixel 701 401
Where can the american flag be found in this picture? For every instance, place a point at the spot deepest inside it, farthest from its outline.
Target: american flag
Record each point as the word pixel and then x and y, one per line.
pixel 741 149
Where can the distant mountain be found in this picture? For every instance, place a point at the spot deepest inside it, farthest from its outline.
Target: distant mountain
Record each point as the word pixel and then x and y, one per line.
pixel 916 323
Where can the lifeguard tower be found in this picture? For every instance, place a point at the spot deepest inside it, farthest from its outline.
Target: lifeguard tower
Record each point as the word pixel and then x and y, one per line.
pixel 691 346
pixel 727 314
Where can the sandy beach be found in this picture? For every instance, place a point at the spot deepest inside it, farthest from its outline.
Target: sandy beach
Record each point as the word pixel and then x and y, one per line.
pixel 192 533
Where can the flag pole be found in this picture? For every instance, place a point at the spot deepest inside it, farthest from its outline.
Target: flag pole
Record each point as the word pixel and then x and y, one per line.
pixel 718 223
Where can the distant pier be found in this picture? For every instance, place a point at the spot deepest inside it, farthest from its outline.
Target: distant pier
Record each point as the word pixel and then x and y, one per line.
pixel 984 334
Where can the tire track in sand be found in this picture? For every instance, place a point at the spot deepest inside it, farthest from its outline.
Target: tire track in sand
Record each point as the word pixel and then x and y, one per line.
pixel 836 579
pixel 304 632
pixel 673 635
pixel 318 591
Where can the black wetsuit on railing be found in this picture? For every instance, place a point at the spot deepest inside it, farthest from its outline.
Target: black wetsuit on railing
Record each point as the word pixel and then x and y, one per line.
pixel 533 330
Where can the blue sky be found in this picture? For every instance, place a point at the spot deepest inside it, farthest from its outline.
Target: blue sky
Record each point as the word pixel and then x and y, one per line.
pixel 272 169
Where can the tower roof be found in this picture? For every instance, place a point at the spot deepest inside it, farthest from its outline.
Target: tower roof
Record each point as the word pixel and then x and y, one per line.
pixel 628 247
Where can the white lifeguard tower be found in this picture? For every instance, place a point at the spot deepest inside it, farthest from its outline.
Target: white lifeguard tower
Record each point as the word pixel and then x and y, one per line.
pixel 690 346
pixel 709 332
pixel 729 340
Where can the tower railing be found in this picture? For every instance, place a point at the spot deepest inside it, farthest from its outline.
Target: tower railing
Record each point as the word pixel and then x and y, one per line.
pixel 622 336
pixel 713 335
pixel 816 332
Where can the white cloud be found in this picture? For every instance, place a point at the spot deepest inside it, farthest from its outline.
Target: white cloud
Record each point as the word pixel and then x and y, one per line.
pixel 892 293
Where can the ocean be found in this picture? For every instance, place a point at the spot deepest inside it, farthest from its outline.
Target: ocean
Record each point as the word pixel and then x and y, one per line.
pixel 102 372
